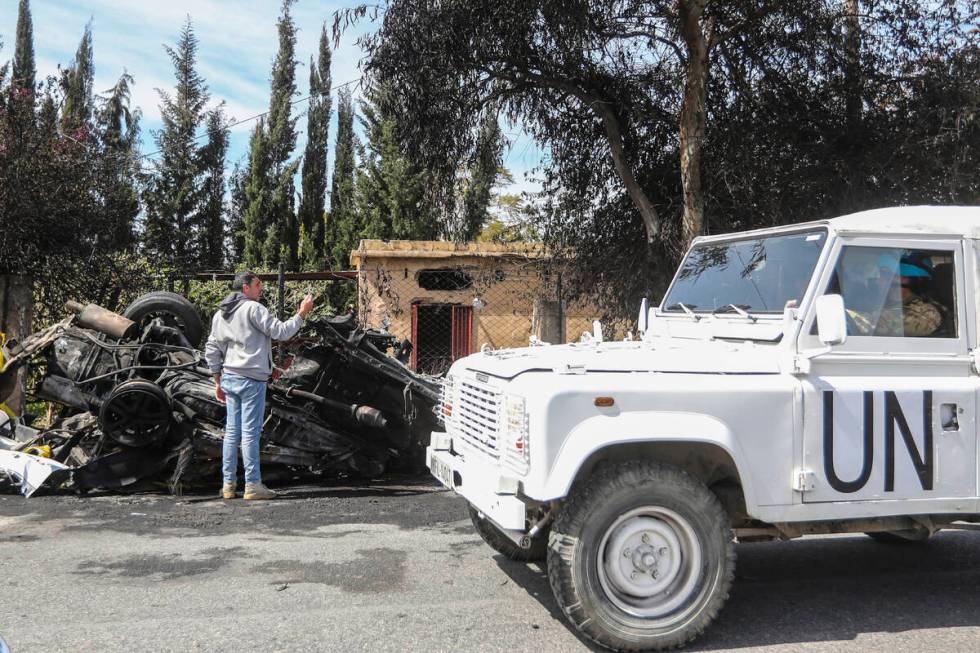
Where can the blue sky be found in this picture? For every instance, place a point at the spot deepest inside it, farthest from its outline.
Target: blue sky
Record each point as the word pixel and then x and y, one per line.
pixel 237 43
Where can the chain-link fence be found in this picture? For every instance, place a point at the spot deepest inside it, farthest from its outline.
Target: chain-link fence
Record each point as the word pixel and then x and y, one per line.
pixel 444 311
pixel 333 293
pixel 446 307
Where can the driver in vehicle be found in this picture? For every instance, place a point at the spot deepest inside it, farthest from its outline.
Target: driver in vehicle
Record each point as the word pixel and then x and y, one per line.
pixel 905 312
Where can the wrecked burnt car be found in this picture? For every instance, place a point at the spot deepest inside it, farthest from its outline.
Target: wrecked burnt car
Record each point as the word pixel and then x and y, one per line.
pixel 137 402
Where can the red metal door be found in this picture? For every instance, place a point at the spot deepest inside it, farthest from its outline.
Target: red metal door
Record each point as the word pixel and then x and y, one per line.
pixel 462 331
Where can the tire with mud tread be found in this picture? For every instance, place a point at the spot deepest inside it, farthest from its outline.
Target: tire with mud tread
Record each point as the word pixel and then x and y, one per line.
pixel 641 557
pixel 176 311
pixel 902 537
pixel 504 545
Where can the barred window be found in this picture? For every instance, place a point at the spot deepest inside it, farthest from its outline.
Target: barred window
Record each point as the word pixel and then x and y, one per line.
pixel 444 279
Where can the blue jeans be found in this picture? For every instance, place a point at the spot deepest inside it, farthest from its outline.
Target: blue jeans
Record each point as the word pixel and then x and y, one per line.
pixel 245 404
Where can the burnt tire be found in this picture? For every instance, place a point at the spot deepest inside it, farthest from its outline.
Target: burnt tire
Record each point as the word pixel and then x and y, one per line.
pixel 641 557
pixel 136 413
pixel 912 536
pixel 504 545
pixel 175 310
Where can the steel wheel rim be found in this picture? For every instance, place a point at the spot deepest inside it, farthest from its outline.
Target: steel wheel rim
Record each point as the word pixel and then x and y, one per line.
pixel 135 414
pixel 650 562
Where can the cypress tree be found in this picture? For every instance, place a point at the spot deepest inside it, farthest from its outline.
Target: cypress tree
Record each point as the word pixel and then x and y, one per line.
pixel 21 113
pixel 24 70
pixel 211 234
pixel 78 106
pixel 173 196
pixel 236 218
pixel 272 233
pixel 256 197
pixel 391 189
pixel 281 126
pixel 344 228
pixel 314 175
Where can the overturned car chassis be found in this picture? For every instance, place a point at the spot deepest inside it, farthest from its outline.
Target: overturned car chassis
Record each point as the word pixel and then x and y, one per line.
pixel 138 405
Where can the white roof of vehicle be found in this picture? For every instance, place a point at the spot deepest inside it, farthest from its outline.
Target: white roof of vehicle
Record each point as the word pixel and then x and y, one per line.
pixel 902 220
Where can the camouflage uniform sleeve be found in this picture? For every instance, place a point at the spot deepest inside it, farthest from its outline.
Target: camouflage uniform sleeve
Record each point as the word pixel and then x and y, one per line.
pixel 889 323
pixel 921 318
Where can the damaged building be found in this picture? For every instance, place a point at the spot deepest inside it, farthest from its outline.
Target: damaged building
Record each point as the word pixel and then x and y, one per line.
pixel 452 299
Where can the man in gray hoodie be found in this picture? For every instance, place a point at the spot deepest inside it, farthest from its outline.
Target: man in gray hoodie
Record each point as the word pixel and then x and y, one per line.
pixel 239 354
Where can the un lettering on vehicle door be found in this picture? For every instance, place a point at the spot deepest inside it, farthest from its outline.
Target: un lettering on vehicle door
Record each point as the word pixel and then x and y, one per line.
pixel 899 440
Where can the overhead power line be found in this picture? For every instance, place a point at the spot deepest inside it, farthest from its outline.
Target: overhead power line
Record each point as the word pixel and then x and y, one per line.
pixel 255 117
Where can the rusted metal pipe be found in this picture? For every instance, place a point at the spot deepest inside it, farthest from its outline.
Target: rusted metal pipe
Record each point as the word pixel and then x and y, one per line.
pixel 366 415
pixel 92 316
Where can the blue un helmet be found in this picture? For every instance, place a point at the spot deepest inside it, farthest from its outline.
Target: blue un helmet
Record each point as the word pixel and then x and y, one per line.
pixel 915 267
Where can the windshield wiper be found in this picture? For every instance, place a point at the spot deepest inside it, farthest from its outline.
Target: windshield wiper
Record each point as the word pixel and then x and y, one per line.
pixel 686 309
pixel 735 308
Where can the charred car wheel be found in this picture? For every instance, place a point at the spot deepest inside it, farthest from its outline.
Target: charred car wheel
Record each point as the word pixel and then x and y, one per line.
pixel 175 311
pixel 641 557
pixel 136 413
pixel 504 545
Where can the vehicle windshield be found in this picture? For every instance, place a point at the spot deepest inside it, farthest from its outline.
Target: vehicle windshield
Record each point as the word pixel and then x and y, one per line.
pixel 758 275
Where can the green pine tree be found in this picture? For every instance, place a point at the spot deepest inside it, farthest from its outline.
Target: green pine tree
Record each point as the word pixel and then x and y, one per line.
pixel 78 107
pixel 173 195
pixel 344 227
pixel 314 174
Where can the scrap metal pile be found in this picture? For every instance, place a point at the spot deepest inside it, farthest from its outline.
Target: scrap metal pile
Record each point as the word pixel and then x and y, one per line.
pixel 138 403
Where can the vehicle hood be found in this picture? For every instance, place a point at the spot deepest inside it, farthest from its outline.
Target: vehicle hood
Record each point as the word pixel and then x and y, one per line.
pixel 693 357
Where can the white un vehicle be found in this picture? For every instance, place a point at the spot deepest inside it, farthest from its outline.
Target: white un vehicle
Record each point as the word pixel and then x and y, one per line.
pixel 816 378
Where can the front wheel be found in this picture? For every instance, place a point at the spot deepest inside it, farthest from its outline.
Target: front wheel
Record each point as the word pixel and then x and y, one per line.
pixel 641 557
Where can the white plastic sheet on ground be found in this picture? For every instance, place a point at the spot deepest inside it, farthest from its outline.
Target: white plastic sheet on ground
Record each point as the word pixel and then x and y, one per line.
pixel 29 471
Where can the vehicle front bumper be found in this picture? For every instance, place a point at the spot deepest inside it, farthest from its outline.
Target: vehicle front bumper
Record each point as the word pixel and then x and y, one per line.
pixel 477 480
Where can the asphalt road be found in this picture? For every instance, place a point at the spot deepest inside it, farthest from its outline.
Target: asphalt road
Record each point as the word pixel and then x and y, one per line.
pixel 396 567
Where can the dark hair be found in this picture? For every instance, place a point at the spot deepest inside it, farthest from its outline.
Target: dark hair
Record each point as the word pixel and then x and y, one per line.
pixel 243 279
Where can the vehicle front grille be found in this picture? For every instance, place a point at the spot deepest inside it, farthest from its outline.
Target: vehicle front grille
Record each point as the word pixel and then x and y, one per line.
pixel 476 415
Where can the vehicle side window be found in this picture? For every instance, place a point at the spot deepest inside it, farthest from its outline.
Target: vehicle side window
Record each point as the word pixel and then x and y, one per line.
pixel 895 292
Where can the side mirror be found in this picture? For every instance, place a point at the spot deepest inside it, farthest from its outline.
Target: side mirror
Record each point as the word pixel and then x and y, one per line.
pixel 644 320
pixel 831 320
pixel 597 330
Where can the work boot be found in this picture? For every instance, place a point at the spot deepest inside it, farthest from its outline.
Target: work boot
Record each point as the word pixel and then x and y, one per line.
pixel 258 491
pixel 228 491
